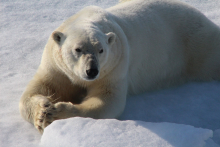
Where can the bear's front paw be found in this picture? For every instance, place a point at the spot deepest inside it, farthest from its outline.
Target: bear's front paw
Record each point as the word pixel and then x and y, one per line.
pixel 45 114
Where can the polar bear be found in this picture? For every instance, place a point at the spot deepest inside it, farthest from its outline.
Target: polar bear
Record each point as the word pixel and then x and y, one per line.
pixel 98 57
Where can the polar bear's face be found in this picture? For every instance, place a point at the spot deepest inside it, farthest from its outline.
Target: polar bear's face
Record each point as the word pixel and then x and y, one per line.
pixel 83 53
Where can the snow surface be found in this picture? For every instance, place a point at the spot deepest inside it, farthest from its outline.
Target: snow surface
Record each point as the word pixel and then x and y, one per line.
pixel 25 27
pixel 87 132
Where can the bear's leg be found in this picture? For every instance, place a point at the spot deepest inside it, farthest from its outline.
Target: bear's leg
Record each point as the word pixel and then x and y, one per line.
pixel 102 101
pixel 98 107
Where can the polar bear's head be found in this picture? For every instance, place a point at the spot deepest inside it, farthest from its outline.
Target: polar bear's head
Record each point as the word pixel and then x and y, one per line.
pixel 84 51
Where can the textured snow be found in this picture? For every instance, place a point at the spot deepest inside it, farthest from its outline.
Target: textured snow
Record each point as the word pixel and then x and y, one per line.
pixel 25 27
pixel 83 132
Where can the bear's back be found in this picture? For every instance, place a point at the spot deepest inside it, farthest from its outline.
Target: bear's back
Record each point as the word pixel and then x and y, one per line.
pixel 158 34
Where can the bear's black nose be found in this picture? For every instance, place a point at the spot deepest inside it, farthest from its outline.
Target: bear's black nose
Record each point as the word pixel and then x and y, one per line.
pixel 92 73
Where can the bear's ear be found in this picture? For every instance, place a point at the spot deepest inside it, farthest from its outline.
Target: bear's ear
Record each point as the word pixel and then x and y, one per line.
pixel 111 38
pixel 57 36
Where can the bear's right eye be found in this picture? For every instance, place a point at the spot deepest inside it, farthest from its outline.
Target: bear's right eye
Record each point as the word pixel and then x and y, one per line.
pixel 78 50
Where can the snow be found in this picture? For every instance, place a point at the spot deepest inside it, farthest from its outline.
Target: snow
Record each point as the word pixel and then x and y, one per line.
pixel 162 118
pixel 114 133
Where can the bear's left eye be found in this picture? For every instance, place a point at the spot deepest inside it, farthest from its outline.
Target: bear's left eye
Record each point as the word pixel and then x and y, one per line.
pixel 101 51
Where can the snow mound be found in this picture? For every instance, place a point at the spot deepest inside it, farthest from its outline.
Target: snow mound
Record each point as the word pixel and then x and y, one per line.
pixel 85 132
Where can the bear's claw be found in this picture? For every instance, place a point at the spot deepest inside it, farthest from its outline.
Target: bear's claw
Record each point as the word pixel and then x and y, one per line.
pixel 45 114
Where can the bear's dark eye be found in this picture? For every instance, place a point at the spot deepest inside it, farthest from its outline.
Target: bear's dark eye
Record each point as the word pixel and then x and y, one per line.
pixel 101 51
pixel 78 50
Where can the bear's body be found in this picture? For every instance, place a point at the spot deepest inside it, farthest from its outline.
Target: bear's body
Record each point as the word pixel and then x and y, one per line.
pixel 169 43
pixel 98 57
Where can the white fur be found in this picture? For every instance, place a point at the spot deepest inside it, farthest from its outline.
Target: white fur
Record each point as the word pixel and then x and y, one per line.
pixel 136 46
